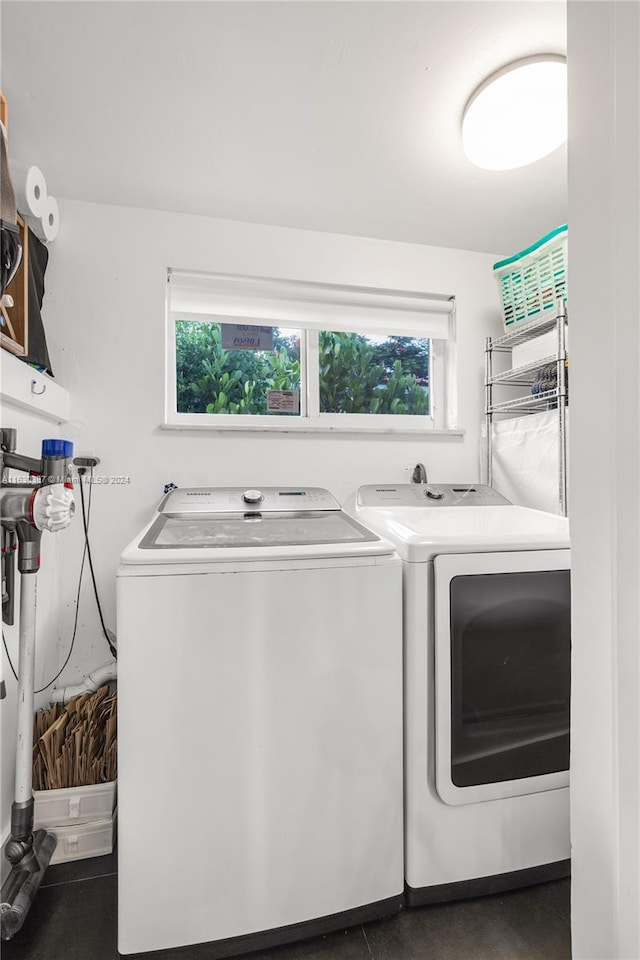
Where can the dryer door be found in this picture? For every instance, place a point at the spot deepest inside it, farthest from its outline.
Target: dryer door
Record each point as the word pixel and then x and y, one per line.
pixel 503 674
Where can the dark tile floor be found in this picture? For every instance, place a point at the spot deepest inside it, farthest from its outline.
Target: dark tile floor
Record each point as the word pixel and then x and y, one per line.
pixel 74 918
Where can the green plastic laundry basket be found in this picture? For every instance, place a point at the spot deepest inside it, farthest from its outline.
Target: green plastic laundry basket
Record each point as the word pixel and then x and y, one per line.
pixel 532 281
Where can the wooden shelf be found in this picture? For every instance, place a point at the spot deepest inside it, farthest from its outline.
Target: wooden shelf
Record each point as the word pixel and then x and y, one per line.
pixel 14 333
pixel 14 330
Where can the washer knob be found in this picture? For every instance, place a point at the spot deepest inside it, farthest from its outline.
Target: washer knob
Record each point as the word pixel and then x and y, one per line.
pixel 252 496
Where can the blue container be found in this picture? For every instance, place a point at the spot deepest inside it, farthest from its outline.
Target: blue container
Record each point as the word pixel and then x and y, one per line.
pixel 57 448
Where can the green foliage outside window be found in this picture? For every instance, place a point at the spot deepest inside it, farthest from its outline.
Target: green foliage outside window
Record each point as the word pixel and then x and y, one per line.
pixel 357 374
pixel 210 379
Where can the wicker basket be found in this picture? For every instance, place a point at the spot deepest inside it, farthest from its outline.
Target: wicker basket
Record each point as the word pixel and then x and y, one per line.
pixel 532 281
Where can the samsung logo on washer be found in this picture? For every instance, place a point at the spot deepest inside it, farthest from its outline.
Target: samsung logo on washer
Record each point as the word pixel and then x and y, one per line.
pixel 386 490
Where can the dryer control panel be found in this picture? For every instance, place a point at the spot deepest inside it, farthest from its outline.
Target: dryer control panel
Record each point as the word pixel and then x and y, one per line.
pixel 430 495
pixel 241 500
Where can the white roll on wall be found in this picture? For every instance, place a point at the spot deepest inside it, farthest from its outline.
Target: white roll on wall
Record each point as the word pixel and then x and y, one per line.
pixel 47 227
pixel 38 209
pixel 30 188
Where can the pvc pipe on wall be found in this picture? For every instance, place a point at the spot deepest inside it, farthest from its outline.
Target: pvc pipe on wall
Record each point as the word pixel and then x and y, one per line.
pixel 89 685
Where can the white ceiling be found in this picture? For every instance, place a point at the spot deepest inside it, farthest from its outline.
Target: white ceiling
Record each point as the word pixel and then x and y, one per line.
pixel 334 116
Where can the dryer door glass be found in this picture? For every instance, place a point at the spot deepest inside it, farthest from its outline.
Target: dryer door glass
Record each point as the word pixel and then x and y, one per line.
pixel 510 675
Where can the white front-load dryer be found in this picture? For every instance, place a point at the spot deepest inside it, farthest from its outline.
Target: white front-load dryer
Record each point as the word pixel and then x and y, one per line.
pixel 260 723
pixel 486 686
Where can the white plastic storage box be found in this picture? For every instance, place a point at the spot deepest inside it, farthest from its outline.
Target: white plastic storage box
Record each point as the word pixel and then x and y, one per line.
pixel 532 281
pixel 83 840
pixel 538 348
pixel 74 805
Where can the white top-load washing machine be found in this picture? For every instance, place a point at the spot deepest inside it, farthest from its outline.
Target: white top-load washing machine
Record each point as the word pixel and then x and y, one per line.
pixel 486 686
pixel 260 722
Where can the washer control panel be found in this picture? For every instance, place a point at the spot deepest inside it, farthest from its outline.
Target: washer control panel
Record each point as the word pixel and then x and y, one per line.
pixel 241 500
pixel 430 495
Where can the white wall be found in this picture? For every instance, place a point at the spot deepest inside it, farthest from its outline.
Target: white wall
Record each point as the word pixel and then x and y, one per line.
pixel 104 314
pixel 50 645
pixel 604 217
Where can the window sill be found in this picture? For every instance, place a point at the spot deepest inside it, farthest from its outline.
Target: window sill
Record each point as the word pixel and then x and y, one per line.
pixel 26 388
pixel 425 433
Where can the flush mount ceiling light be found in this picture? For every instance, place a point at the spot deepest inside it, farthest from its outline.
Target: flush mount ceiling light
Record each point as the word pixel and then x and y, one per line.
pixel 518 115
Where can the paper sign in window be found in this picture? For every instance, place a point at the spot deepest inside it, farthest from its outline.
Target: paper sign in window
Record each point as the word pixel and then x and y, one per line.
pixel 283 401
pixel 243 336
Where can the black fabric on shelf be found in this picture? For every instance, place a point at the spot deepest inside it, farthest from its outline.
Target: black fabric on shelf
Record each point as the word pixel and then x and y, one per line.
pixel 38 259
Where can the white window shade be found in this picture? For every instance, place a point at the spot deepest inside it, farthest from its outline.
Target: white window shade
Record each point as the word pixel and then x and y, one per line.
pixel 319 306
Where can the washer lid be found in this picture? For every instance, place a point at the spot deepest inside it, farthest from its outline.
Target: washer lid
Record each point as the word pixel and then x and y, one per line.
pixel 228 524
pixel 421 534
pixel 253 529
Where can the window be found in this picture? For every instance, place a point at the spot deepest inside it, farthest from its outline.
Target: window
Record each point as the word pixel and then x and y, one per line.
pixel 361 375
pixel 251 353
pixel 213 380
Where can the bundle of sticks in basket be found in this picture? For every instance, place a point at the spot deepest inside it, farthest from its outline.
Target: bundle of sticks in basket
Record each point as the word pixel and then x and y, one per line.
pixel 74 745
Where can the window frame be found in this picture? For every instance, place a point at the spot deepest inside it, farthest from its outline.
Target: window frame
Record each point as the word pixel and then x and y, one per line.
pixel 439 421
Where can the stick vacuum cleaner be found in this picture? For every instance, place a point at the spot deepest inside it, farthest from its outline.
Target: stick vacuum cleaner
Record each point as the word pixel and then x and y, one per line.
pixel 27 510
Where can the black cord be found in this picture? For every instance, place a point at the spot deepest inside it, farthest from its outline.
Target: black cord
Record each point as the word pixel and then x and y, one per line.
pixel 113 650
pixel 75 622
pixel 6 650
